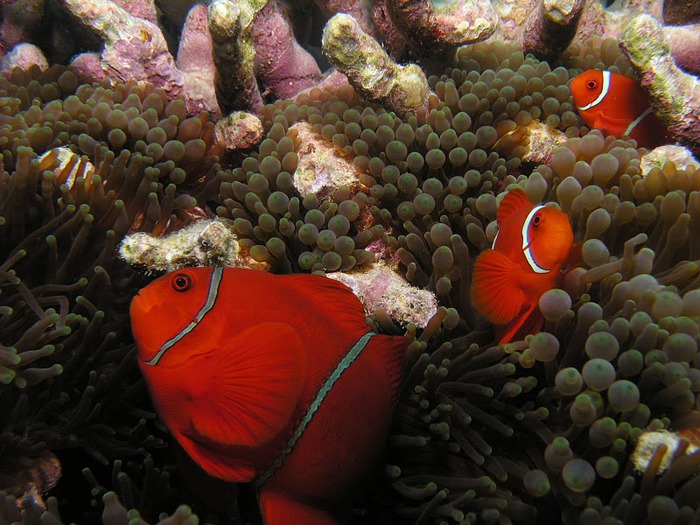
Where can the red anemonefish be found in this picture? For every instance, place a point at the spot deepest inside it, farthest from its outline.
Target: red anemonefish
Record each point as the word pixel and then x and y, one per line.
pixel 617 105
pixel 531 248
pixel 270 379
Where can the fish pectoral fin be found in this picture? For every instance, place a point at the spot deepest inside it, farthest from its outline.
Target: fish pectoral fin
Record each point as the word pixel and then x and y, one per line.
pixel 252 386
pixel 611 125
pixel 495 291
pixel 217 464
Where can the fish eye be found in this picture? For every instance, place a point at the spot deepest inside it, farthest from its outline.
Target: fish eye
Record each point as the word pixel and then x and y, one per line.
pixel 536 220
pixel 181 282
pixel 591 84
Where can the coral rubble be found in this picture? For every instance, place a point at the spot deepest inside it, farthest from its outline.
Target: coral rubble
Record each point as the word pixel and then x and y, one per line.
pixel 386 175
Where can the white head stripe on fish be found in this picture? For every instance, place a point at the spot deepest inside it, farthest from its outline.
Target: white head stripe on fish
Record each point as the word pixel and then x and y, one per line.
pixel 526 241
pixel 636 121
pixel 216 276
pixel 603 92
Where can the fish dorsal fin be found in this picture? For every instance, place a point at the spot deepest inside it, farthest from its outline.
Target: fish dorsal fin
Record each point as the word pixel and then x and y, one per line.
pixel 512 204
pixel 495 291
pixel 250 388
pixel 347 314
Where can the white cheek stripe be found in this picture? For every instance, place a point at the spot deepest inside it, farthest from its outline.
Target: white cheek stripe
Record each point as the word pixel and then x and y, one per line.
pixel 603 92
pixel 208 305
pixel 526 241
pixel 636 121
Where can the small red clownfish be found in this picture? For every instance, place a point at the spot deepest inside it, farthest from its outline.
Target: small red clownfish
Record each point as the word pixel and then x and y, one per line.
pixel 270 379
pixel 530 251
pixel 617 105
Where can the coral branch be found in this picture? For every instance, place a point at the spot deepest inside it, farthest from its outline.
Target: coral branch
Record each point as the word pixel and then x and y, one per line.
pixel 674 94
pixel 89 67
pixel 145 9
pixel 550 29
pixel 394 40
pixel 685 46
pixel 440 27
pixel 20 20
pixel 230 28
pixel 370 70
pixel 194 58
pixel 358 9
pixel 134 48
pixel 283 66
pixel 23 56
pixel 679 12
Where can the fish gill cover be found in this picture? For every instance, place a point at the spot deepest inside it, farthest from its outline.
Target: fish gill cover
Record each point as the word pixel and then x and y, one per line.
pixel 402 175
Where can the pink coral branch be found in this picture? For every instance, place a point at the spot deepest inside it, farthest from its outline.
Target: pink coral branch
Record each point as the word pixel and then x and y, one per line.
pixel 439 27
pixel 135 48
pixel 685 46
pixel 194 59
pixel 282 65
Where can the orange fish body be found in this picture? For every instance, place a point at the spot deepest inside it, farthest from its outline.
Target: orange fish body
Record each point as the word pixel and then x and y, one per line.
pixel 529 252
pixel 617 105
pixel 270 379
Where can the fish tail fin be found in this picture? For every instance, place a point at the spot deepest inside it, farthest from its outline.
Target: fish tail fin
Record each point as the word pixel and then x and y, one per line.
pixel 495 291
pixel 280 509
pixel 529 322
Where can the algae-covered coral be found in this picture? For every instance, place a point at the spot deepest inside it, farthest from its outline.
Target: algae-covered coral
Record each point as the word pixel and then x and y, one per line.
pixel 540 430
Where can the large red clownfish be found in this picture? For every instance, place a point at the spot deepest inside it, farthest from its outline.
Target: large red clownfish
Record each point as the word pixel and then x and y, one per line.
pixel 617 105
pixel 532 247
pixel 270 379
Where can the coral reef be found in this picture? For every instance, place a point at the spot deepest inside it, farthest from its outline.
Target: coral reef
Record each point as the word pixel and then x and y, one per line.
pixel 372 183
pixel 675 95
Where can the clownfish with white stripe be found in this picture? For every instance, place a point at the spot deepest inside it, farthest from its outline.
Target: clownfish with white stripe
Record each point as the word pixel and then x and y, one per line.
pixel 270 379
pixel 533 247
pixel 617 105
